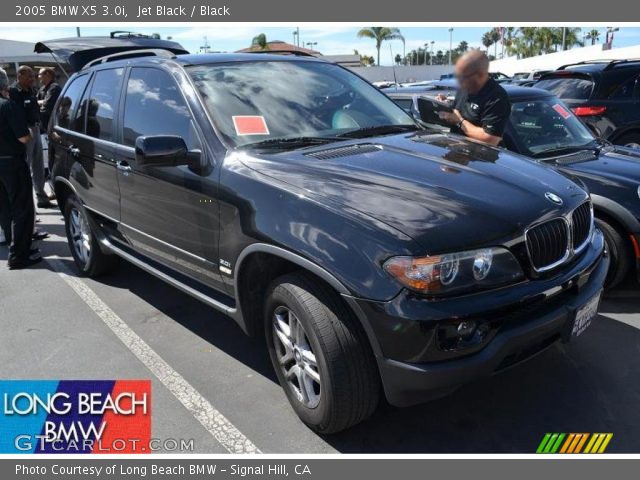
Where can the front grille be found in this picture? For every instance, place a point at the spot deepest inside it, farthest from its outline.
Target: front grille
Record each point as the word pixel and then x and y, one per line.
pixel 581 225
pixel 548 244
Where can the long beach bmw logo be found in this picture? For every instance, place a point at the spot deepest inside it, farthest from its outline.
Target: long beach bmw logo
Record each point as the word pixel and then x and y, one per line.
pixel 553 198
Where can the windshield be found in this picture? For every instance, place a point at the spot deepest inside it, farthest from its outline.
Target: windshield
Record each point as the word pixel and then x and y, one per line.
pixel 547 126
pixel 569 88
pixel 256 101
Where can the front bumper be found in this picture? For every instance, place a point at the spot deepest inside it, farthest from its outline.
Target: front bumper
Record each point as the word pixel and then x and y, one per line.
pixel 532 317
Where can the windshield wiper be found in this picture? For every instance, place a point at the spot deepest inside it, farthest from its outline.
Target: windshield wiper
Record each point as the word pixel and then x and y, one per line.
pixel 290 142
pixel 378 130
pixel 564 150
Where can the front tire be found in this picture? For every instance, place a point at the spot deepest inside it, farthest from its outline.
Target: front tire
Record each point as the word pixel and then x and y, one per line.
pixel 620 252
pixel 88 257
pixel 320 354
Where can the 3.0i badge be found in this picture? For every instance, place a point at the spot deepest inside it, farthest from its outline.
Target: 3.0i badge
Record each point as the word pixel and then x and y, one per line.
pixel 553 198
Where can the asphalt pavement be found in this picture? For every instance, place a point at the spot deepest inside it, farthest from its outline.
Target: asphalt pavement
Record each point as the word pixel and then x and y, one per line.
pixel 214 385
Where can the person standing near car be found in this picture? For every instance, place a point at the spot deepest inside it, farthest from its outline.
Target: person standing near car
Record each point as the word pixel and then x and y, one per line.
pixel 47 97
pixel 481 106
pixel 16 194
pixel 23 93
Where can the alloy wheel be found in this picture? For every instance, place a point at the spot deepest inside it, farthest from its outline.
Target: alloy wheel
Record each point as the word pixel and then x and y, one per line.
pixel 296 357
pixel 80 235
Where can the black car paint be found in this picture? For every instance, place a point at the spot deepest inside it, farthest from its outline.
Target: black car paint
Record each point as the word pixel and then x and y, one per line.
pixel 339 219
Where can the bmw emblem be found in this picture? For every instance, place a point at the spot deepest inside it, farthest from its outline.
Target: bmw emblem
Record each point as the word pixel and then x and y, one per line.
pixel 553 198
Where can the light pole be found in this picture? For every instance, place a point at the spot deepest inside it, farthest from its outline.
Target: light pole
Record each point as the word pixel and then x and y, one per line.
pixel 431 59
pixel 610 31
pixel 311 44
pixel 426 48
pixel 450 43
pixel 296 37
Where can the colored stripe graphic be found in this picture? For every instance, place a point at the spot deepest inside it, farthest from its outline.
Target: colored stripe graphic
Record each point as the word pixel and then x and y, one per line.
pixel 18 431
pixel 74 422
pixel 550 443
pixel 574 443
pixel 132 428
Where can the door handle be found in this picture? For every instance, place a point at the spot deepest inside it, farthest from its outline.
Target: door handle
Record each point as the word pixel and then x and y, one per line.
pixel 123 166
pixel 74 151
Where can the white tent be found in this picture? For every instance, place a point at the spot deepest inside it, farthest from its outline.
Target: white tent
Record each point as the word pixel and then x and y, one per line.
pixel 552 61
pixel 14 54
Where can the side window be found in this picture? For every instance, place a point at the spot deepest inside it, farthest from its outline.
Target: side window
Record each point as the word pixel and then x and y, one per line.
pixel 155 106
pixel 101 105
pixel 69 102
pixel 624 91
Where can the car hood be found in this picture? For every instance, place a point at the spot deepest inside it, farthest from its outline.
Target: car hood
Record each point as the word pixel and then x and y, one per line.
pixel 444 191
pixel 617 168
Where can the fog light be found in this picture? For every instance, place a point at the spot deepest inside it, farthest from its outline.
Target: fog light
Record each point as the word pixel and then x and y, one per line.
pixel 466 329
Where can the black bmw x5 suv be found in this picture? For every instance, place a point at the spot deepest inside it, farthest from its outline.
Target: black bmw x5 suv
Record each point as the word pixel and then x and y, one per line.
pixel 293 196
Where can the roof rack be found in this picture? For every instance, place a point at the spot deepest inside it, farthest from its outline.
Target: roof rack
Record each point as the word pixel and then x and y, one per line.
pixel 149 52
pixel 295 53
pixel 128 34
pixel 609 63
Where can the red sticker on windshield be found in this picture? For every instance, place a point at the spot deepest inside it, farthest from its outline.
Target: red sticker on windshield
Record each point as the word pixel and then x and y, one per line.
pixel 250 125
pixel 562 111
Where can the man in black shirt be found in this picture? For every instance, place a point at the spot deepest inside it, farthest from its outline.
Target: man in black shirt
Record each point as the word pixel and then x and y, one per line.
pixel 481 107
pixel 16 197
pixel 23 93
pixel 47 95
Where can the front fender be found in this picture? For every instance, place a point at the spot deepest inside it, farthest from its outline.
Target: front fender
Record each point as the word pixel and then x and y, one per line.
pixel 623 216
pixel 348 245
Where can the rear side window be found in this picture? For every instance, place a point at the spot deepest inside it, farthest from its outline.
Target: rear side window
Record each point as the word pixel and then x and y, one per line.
pixel 624 91
pixel 69 103
pixel 573 88
pixel 101 105
pixel 154 105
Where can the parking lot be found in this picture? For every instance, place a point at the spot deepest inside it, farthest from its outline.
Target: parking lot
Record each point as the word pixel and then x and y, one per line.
pixel 214 385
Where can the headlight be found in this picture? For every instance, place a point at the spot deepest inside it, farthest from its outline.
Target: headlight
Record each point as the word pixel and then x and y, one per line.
pixel 456 272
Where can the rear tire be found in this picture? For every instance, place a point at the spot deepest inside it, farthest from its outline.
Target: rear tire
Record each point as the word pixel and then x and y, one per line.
pixel 88 257
pixel 309 329
pixel 620 252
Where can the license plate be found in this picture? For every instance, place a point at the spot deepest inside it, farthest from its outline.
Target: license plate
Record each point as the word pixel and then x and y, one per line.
pixel 585 315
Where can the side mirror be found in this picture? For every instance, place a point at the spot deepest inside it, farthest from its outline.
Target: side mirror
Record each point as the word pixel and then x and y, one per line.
pixel 161 151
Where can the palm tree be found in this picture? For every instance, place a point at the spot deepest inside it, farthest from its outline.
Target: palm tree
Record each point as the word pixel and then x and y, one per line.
pixel 495 38
pixel 572 38
pixel 545 38
pixel 463 46
pixel 260 41
pixel 594 36
pixel 509 40
pixel 487 41
pixel 380 34
pixel 398 59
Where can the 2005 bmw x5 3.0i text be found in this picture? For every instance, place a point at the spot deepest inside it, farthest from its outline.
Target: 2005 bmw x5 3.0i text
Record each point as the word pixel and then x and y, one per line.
pixel 293 196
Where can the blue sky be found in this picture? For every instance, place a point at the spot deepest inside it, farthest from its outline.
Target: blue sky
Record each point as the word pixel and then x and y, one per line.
pixel 331 39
